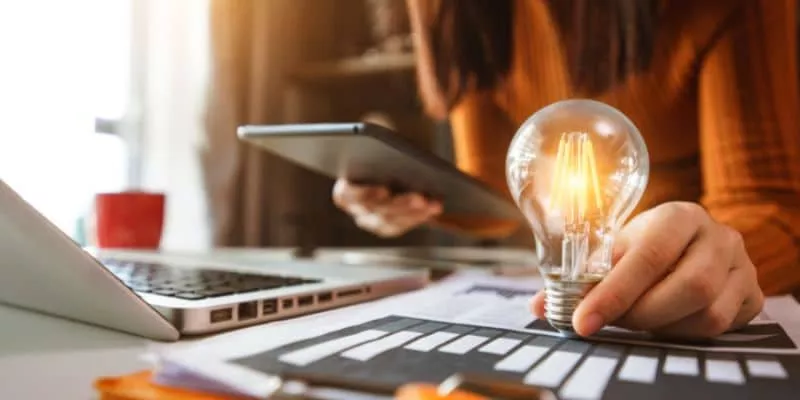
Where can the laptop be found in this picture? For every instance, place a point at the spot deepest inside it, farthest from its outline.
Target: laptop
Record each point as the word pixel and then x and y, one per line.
pixel 164 296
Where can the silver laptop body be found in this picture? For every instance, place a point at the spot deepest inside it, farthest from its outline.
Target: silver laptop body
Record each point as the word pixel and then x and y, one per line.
pixel 163 296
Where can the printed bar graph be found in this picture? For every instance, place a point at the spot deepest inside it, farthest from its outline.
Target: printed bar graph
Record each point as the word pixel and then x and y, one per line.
pixel 396 350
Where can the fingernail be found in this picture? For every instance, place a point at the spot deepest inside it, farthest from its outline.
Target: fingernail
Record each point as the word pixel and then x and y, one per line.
pixel 593 323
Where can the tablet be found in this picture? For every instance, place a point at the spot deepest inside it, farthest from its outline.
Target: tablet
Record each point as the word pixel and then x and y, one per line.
pixel 372 154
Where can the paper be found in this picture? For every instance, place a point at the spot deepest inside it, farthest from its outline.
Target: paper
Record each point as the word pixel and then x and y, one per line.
pixel 482 324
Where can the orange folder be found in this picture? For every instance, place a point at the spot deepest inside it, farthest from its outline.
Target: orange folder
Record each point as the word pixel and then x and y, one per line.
pixel 138 386
pixel 430 392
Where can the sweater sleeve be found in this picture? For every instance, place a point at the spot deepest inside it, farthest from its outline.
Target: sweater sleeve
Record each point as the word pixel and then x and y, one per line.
pixel 481 133
pixel 750 137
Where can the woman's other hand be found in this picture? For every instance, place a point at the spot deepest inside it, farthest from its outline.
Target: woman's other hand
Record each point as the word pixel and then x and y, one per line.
pixel 377 210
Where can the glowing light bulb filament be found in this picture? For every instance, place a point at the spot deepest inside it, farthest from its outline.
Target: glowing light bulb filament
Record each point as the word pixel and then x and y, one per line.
pixel 576 195
pixel 576 188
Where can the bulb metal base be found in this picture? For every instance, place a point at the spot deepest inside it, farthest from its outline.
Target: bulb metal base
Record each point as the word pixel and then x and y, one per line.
pixel 562 297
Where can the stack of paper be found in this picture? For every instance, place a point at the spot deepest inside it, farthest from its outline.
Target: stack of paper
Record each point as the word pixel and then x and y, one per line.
pixel 481 324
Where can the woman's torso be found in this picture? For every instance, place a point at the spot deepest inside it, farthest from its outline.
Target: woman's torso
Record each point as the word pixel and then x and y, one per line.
pixel 661 98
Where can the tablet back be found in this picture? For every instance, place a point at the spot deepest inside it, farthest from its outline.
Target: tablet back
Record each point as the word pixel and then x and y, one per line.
pixel 368 153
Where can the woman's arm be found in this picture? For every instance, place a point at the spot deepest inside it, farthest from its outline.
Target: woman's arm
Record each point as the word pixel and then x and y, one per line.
pixel 419 15
pixel 750 138
pixel 481 130
pixel 481 133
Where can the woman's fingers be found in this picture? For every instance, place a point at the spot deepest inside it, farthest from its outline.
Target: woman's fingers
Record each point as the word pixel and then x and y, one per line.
pixel 698 279
pixel 729 287
pixel 648 258
pixel 753 301
pixel 718 317
pixel 408 205
pixel 359 199
pixel 386 216
pixel 680 273
pixel 537 304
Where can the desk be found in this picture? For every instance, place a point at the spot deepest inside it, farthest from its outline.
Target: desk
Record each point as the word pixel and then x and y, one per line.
pixel 43 357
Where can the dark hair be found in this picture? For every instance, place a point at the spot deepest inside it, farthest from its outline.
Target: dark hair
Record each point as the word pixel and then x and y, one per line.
pixel 472 41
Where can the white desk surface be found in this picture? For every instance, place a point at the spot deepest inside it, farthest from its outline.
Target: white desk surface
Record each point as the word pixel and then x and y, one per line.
pixel 43 357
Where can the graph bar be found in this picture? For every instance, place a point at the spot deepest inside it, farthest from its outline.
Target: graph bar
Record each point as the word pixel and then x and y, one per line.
pixel 308 355
pixel 723 369
pixel 641 366
pixel 431 342
pixel 553 369
pixel 500 346
pixel 372 349
pixel 522 359
pixel 681 363
pixel 765 367
pixel 592 376
pixel 463 344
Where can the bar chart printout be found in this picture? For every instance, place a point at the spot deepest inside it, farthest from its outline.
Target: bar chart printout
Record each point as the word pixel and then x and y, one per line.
pixel 395 350
pixel 481 324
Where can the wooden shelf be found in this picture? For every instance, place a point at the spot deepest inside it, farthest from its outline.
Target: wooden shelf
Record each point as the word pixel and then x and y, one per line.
pixel 355 67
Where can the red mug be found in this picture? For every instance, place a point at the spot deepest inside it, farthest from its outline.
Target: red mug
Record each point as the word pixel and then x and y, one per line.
pixel 129 220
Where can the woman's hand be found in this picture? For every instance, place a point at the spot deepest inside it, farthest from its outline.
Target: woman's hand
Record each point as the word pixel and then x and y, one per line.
pixel 679 273
pixel 376 210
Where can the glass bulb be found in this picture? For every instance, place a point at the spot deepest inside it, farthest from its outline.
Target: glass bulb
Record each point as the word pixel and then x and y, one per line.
pixel 576 169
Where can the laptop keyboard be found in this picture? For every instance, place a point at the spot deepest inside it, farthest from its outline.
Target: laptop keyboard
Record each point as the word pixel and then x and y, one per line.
pixel 195 284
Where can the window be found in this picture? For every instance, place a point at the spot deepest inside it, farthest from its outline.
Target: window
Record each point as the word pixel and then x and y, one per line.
pixel 66 79
pixel 112 63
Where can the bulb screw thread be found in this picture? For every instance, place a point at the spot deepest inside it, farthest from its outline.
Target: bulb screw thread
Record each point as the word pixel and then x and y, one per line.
pixel 562 297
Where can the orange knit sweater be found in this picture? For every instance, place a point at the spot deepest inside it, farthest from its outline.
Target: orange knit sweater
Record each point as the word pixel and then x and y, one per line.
pixel 718 109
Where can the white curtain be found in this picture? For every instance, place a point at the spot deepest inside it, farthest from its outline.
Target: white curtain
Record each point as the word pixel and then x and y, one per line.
pixel 172 52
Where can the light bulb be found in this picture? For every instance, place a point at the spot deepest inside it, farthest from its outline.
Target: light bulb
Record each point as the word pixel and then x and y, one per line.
pixel 576 169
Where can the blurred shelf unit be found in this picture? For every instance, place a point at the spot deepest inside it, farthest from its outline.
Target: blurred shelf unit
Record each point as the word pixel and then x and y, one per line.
pixel 354 67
